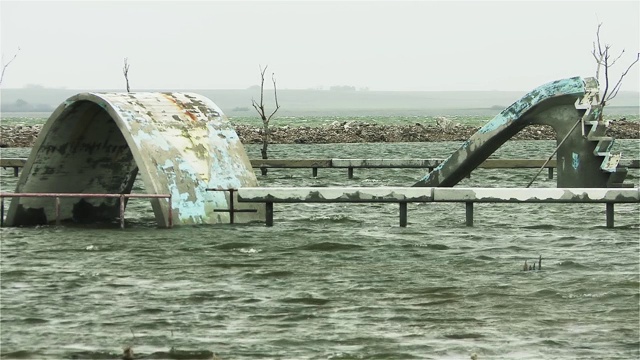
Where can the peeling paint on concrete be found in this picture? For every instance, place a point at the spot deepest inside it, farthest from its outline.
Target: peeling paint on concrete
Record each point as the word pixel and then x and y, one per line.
pixel 495 195
pixel 430 194
pixel 563 105
pixel 179 143
pixel 575 162
pixel 331 195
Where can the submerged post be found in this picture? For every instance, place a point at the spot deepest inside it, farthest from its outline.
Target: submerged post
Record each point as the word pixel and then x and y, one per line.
pixel 231 211
pixel 350 173
pixel 609 214
pixel 469 213
pixel 2 212
pixel 269 214
pixel 170 219
pixel 122 211
pixel 57 210
pixel 403 214
pixel 314 172
pixel 550 173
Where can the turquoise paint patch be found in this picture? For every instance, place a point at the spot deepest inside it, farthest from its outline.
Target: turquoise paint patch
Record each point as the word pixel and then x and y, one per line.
pixel 572 86
pixel 575 160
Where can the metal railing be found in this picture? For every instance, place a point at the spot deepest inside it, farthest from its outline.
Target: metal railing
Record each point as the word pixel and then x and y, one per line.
pixel 57 197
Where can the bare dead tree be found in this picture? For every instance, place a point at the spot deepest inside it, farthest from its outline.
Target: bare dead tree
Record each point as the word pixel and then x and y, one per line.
pixel 4 66
pixel 125 71
pixel 604 60
pixel 261 111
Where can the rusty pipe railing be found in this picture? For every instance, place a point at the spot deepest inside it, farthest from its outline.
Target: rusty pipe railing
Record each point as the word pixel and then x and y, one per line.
pixel 57 197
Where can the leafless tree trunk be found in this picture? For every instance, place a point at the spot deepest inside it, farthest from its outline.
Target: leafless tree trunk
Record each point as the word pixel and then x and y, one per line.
pixel 604 61
pixel 125 71
pixel 4 66
pixel 261 111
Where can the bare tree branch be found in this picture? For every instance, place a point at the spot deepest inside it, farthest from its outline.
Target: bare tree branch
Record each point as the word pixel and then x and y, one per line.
pixel 125 71
pixel 603 60
pixel 262 113
pixel 275 94
pixel 616 88
pixel 616 59
pixel 598 57
pixel 4 67
pixel 606 77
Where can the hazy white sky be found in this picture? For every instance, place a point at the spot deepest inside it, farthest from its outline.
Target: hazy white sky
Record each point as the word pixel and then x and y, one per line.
pixel 382 45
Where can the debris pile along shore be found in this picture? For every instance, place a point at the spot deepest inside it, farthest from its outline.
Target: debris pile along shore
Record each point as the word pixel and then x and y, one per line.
pixel 349 132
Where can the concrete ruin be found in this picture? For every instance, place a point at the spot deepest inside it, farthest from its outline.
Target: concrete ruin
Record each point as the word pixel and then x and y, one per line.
pixel 179 143
pixel 571 107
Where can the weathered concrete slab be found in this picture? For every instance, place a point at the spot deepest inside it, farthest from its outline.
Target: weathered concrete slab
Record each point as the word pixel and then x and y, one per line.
pixel 537 195
pixel 180 143
pixel 385 163
pixel 516 164
pixel 291 163
pixel 334 194
pixel 416 194
pixel 12 162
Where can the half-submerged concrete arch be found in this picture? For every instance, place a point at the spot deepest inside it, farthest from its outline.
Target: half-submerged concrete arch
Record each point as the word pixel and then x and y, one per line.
pixel 180 144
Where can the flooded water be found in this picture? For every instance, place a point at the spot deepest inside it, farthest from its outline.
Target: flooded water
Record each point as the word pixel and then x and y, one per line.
pixel 334 281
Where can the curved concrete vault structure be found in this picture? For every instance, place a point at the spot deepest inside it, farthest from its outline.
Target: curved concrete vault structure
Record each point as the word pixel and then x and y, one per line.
pixel 179 143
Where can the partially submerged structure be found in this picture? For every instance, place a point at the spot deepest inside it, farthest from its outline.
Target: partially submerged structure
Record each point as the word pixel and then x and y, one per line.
pixel 97 143
pixel 182 145
pixel 571 107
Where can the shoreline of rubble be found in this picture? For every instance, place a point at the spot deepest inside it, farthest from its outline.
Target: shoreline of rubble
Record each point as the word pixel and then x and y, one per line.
pixel 349 132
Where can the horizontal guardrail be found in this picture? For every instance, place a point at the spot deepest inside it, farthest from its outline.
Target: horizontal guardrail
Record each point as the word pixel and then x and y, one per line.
pixel 57 197
pixel 351 164
pixel 405 195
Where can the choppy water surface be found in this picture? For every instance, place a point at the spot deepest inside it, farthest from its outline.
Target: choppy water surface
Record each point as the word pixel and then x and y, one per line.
pixel 334 281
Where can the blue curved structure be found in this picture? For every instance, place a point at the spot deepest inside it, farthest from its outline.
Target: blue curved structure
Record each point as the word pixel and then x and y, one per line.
pixel 179 143
pixel 571 107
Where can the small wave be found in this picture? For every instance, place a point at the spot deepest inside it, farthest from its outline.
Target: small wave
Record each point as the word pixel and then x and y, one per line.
pixel 234 245
pixel 171 354
pixel 16 273
pixel 305 301
pixel 545 292
pixel 330 246
pixel 340 219
pixel 20 354
pixel 627 284
pixel 437 289
pixel 150 311
pixel 554 343
pixel 94 355
pixel 117 285
pixel 485 257
pixel 438 302
pixel 235 265
pixel 274 274
pixel 431 246
pixel 35 320
pixel 381 355
pixel 540 227
pixel 249 250
pixel 571 265
pixel 464 336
